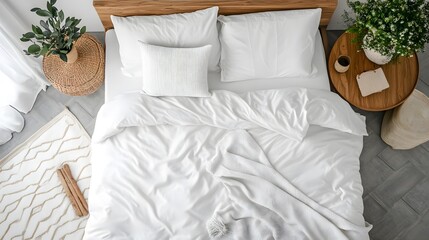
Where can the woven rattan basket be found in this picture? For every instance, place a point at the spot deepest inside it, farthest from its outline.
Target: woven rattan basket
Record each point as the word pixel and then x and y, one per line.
pixel 82 77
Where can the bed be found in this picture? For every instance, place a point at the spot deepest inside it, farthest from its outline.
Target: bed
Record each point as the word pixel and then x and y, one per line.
pixel 255 159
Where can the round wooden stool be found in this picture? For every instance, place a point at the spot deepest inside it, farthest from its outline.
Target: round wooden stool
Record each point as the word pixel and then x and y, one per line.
pixel 407 126
pixel 82 77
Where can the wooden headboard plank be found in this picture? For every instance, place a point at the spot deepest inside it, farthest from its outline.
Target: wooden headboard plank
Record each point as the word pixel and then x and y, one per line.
pixel 124 8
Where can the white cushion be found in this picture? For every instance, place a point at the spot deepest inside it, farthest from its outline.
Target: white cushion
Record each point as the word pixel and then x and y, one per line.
pixel 268 44
pixel 194 29
pixel 175 71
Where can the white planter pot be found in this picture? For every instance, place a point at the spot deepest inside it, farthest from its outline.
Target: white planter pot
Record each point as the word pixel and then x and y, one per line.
pixel 374 56
pixel 377 57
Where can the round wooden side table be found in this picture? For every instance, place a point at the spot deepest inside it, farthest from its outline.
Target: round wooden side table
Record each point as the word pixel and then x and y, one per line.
pixel 401 73
pixel 82 77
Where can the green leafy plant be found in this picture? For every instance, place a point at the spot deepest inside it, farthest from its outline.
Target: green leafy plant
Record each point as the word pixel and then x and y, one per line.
pixel 55 35
pixel 390 27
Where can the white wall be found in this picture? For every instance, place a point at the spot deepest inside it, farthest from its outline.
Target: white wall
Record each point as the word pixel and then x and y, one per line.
pixel 83 9
pixel 75 8
pixel 337 22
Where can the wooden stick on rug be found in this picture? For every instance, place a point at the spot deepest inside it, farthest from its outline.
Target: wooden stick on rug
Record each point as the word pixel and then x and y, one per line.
pixel 72 190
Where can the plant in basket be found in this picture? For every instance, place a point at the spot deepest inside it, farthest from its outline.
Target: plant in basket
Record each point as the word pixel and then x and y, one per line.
pixel 56 34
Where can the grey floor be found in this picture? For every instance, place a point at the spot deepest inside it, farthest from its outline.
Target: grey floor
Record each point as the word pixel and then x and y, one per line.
pixel 396 183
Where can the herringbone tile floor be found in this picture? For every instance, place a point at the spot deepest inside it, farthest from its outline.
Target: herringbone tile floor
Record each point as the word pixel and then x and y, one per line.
pixel 396 183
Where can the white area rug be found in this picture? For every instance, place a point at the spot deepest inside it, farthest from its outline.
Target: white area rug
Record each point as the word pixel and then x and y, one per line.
pixel 33 204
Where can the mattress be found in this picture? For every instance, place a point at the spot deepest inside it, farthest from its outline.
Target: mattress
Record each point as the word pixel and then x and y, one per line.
pixel 116 83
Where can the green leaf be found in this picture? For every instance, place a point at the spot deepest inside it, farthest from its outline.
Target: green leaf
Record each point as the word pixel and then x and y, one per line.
pixel 44 50
pixel 43 13
pixel 55 24
pixel 53 2
pixel 83 30
pixel 36 29
pixel 28 35
pixel 63 57
pixel 69 23
pixel 70 41
pixel 51 22
pixel 61 15
pixel 54 11
pixel 40 37
pixel 34 49
pixel 47 33
pixel 76 22
pixel 49 7
pixel 35 9
pixel 44 24
pixel 33 28
pixel 24 39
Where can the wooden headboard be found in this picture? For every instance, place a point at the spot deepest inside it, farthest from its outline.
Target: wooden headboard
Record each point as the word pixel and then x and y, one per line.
pixel 124 8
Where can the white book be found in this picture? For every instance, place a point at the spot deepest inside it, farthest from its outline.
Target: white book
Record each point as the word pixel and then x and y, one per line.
pixel 372 82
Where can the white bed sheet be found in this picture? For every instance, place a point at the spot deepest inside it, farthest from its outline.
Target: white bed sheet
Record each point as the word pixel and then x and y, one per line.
pixel 116 83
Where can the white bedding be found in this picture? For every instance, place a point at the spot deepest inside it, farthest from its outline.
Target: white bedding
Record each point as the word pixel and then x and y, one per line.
pixel 117 83
pixel 275 164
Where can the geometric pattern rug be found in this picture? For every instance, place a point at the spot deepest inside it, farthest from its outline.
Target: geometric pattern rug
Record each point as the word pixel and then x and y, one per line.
pixel 33 203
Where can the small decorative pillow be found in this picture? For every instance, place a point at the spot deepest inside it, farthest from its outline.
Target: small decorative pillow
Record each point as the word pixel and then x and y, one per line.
pixel 175 71
pixel 185 30
pixel 268 44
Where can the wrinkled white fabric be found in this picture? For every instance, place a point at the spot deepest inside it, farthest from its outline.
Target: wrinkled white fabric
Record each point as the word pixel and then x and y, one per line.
pixel 287 111
pixel 11 121
pixel 266 164
pixel 21 76
pixel 256 190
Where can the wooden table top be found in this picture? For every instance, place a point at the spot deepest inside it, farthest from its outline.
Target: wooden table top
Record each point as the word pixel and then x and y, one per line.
pixel 402 75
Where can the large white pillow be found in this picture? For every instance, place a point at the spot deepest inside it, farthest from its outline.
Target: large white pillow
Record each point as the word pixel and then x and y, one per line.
pixel 194 29
pixel 175 71
pixel 268 44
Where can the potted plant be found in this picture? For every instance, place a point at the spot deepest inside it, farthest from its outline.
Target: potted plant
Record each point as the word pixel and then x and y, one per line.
pixel 389 28
pixel 55 35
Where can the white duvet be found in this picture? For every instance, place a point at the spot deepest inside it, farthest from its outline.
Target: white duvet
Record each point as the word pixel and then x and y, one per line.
pixel 275 164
